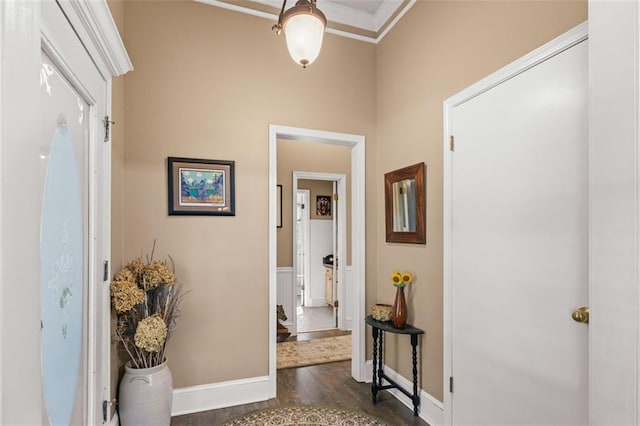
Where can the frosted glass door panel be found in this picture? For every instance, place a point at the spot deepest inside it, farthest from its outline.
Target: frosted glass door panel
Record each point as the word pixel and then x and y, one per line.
pixel 63 246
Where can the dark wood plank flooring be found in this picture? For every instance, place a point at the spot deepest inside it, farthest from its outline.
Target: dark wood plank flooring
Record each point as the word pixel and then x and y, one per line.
pixel 321 385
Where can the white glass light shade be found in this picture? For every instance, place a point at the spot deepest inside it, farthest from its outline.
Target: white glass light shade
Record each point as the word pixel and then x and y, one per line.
pixel 304 34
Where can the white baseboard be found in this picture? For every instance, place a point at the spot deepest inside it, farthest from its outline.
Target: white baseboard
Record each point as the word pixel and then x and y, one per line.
pixel 317 302
pixel 194 399
pixel 431 410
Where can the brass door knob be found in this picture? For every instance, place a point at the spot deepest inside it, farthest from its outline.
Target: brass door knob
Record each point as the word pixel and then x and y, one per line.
pixel 581 315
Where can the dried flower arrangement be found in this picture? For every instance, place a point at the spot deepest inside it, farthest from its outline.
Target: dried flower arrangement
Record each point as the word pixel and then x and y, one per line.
pixel 145 296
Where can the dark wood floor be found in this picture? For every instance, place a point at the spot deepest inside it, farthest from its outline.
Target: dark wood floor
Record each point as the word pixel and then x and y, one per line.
pixel 323 385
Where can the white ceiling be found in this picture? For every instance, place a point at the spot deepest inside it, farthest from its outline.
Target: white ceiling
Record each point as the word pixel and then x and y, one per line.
pixel 368 6
pixel 367 15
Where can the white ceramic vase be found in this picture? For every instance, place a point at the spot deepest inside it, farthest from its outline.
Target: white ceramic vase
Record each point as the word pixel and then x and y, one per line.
pixel 145 396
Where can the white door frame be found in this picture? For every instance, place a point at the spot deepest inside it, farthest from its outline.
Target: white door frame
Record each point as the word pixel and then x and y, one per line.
pixel 357 144
pixel 20 44
pixel 614 159
pixel 614 174
pixel 341 181
pixel 305 226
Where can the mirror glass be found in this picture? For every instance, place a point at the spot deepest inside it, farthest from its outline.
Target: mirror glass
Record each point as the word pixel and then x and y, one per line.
pixel 405 207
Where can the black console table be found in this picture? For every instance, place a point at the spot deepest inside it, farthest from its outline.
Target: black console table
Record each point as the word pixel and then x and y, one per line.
pixel 378 328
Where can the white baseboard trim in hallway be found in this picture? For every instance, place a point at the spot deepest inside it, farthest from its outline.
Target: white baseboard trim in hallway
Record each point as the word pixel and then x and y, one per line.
pixel 212 396
pixel 431 410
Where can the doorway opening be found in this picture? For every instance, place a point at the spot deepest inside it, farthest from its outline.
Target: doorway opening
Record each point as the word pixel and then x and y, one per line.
pixel 319 248
pixel 357 234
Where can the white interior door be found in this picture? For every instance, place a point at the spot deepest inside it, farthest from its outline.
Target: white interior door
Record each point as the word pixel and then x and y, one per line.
pixel 302 238
pixel 71 150
pixel 519 248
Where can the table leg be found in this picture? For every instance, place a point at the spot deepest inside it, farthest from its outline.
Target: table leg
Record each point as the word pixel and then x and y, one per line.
pixel 380 356
pixel 416 395
pixel 374 383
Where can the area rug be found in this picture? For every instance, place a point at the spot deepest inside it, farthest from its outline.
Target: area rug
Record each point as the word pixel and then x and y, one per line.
pixel 311 352
pixel 307 416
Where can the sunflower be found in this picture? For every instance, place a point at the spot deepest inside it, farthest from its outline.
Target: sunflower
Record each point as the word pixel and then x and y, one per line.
pixel 407 278
pixel 396 278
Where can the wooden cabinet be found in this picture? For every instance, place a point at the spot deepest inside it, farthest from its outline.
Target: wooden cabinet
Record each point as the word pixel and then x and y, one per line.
pixel 328 279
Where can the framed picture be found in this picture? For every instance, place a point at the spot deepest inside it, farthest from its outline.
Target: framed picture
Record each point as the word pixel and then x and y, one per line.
pixel 201 187
pixel 323 205
pixel 279 206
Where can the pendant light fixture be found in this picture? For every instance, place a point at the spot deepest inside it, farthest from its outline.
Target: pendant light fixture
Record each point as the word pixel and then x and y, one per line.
pixel 303 27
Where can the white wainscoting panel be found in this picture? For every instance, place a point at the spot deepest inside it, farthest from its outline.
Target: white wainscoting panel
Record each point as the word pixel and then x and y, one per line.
pixel 285 283
pixel 212 396
pixel 431 410
pixel 349 298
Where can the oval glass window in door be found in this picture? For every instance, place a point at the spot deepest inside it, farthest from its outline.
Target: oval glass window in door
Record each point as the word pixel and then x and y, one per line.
pixel 61 282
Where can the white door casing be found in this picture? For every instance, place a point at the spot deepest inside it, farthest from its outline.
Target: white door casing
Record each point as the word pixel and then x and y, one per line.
pixel 516 206
pixel 614 161
pixel 357 144
pixel 303 260
pixel 25 30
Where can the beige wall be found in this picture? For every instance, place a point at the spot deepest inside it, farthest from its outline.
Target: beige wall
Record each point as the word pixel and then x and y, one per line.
pixel 436 50
pixel 308 157
pixel 207 83
pixel 117 190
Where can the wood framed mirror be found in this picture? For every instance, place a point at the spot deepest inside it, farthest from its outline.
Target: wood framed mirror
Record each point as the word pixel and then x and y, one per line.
pixel 404 202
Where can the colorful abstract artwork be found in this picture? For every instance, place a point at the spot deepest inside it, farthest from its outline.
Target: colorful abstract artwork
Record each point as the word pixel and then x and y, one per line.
pixel 201 187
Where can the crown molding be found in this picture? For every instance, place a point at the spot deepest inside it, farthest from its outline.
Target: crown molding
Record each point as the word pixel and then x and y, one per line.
pixel 334 13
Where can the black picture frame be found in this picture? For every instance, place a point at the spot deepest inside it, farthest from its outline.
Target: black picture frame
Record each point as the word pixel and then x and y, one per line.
pixel 200 187
pixel 323 205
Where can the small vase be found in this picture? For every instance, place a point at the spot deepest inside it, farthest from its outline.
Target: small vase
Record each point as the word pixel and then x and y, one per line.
pixel 399 309
pixel 145 396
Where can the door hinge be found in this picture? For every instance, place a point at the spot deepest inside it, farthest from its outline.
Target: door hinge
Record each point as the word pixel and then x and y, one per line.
pixel 335 197
pixel 335 303
pixel 107 128
pixel 452 143
pixel 105 274
pixel 105 409
pixel 451 384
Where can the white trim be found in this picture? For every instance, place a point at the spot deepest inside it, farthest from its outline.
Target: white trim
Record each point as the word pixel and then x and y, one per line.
pixel 306 226
pixel 3 55
pixel 357 144
pixel 541 54
pixel 94 24
pixel 212 396
pixel 342 33
pixel 395 21
pixel 431 409
pixel 21 401
pixel 286 280
pixel 385 12
pixel 335 12
pixel 554 47
pixel 614 207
